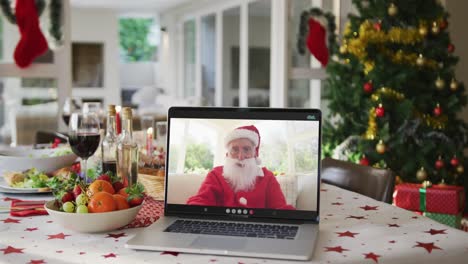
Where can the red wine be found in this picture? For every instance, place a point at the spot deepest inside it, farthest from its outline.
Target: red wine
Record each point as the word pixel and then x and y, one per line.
pixel 109 166
pixel 66 118
pixel 84 144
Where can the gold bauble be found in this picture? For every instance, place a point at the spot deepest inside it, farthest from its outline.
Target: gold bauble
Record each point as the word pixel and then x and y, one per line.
pixel 422 31
pixel 453 85
pixel 380 147
pixel 420 60
pixel 392 9
pixel 426 184
pixel 343 49
pixel 460 169
pixel 435 28
pixel 421 174
pixel 440 83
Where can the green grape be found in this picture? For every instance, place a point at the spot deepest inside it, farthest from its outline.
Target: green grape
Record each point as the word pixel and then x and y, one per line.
pixel 82 209
pixel 81 199
pixel 68 207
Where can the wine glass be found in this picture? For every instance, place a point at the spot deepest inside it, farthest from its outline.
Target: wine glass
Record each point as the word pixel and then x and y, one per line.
pixel 84 136
pixel 71 104
pixel 95 107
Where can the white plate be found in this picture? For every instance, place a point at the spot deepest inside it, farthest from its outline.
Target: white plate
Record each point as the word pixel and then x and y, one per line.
pixel 5 188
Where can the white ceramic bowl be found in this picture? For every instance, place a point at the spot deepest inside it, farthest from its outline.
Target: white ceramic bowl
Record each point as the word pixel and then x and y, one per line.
pixel 92 222
pixel 21 159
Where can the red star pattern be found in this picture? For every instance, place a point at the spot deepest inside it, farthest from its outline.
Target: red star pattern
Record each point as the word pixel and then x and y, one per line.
pixel 372 256
pixel 110 255
pixel 82 253
pixel 39 261
pixel 7 199
pixel 170 253
pixel 10 249
pixel 58 236
pixel 369 208
pixel 338 249
pixel 392 241
pixel 346 234
pixel 323 190
pixel 213 260
pixel 415 217
pixel 11 220
pixel 59 251
pixel 393 225
pixel 356 217
pixel 116 235
pixel 337 203
pixel 30 229
pixel 436 232
pixel 427 246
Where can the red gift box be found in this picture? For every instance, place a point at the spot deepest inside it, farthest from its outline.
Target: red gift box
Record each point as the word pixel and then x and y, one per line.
pixel 442 199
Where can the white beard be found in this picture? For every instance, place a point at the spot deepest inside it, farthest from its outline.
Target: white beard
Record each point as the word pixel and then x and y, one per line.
pixel 241 174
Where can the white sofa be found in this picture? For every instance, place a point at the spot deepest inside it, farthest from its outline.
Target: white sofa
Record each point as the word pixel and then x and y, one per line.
pixel 300 191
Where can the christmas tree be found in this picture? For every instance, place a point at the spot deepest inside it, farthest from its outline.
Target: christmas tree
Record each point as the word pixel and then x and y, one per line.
pixel 393 94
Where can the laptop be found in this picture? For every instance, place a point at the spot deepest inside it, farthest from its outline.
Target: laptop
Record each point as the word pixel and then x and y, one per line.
pixel 239 182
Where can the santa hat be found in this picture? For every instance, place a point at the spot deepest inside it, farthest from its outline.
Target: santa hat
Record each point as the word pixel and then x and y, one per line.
pixel 249 132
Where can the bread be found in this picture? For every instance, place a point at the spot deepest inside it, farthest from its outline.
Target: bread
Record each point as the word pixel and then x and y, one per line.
pixel 63 173
pixel 13 177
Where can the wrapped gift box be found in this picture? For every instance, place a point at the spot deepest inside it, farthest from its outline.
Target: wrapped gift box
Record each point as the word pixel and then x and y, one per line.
pixel 447 219
pixel 441 199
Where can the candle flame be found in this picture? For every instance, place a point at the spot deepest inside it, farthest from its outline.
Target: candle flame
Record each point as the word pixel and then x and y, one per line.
pixel 149 130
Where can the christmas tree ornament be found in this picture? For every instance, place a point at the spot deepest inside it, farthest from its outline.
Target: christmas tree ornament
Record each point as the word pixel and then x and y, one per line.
pixel 392 10
pixel 422 31
pixel 316 42
pixel 380 111
pixel 380 147
pixel 442 182
pixel 454 161
pixel 364 161
pixel 451 48
pixel 453 85
pixel 420 60
pixel 421 174
pixel 435 28
pixel 32 43
pixel 439 83
pixel 343 49
pixel 378 25
pixel 371 131
pixel 443 24
pixel 368 87
pixel 426 184
pixel 460 169
pixel 437 110
pixel 439 164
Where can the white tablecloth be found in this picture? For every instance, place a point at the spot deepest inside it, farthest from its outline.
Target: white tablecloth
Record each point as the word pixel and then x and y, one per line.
pixel 353 229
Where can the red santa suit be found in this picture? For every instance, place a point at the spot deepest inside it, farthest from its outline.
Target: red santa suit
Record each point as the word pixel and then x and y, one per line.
pixel 216 191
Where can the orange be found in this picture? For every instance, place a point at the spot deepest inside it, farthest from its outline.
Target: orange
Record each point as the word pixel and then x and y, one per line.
pixel 100 186
pixel 121 202
pixel 123 193
pixel 102 202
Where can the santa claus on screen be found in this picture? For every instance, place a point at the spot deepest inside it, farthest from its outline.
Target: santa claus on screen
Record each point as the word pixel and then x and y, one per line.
pixel 241 182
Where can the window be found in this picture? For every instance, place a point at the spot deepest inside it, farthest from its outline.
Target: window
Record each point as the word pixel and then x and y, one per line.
pixel 138 39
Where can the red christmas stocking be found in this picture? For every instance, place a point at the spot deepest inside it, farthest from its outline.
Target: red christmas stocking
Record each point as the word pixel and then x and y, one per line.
pixel 316 41
pixel 32 43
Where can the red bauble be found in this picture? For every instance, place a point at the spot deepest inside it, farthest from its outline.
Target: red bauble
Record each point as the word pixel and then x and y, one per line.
pixel 451 48
pixel 437 111
pixel 364 161
pixel 439 164
pixel 454 161
pixel 368 87
pixel 380 111
pixel 443 24
pixel 378 26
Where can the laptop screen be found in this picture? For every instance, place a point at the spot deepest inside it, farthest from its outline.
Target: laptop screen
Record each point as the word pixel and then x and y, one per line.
pixel 243 162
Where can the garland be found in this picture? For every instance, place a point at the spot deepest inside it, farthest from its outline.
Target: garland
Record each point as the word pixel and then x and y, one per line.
pixel 55 15
pixel 303 29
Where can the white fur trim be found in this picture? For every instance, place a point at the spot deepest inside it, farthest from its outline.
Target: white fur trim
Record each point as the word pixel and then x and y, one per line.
pixel 258 160
pixel 241 133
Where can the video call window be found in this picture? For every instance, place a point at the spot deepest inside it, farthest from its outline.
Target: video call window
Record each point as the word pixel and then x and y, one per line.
pixel 288 150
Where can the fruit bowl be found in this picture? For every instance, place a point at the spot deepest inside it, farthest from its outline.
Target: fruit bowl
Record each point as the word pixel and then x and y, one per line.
pixel 44 160
pixel 92 222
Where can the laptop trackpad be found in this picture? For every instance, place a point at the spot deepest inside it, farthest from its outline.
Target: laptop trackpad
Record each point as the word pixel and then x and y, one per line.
pixel 219 243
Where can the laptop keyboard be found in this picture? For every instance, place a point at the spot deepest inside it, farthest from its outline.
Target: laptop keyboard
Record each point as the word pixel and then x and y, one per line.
pixel 233 229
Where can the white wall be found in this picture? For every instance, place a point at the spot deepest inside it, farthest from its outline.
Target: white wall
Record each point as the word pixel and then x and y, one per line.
pixel 99 25
pixel 137 74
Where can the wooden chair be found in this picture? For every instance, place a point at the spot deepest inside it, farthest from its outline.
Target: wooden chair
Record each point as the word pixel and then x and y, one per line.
pixel 372 182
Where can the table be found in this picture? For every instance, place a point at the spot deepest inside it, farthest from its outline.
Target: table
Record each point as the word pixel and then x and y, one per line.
pixel 353 229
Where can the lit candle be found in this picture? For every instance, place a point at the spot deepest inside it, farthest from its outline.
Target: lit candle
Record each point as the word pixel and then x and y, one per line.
pixel 149 142
pixel 118 125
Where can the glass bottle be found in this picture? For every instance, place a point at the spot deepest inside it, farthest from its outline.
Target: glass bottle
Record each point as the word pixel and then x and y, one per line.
pixel 109 143
pixel 127 150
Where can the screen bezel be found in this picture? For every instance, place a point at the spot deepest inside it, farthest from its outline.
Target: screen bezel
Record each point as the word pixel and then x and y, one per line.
pixel 301 114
